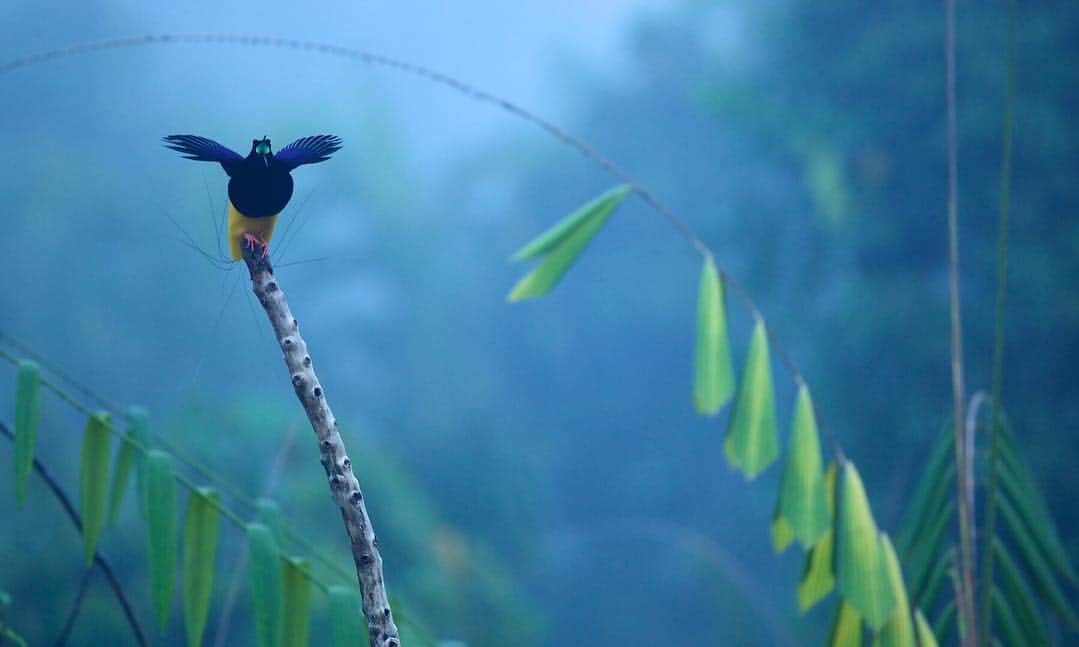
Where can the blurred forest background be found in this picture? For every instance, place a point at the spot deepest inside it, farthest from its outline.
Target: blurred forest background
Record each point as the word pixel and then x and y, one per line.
pixel 535 472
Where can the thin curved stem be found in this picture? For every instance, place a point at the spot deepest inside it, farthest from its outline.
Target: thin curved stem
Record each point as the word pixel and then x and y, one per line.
pixel 99 558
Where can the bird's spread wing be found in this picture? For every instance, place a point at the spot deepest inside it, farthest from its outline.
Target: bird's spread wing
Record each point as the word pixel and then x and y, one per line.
pixel 204 150
pixel 308 150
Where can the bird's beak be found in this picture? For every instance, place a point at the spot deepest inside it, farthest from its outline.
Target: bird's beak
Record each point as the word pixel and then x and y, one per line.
pixel 266 160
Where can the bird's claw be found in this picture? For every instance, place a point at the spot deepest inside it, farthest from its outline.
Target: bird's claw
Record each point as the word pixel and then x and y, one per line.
pixel 252 242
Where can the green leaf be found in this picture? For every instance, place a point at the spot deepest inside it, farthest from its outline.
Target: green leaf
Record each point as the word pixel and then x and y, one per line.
pixel 713 384
pixel 782 533
pixel 563 243
pixel 27 417
pixel 121 474
pixel 297 602
pixel 138 431
pixel 94 479
pixel 161 526
pixel 920 563
pixel 1005 619
pixel 928 593
pixel 932 492
pixel 200 548
pixel 818 575
pixel 924 631
pixel 1047 586
pixel 752 442
pixel 945 621
pixel 802 500
pixel 266 585
pixel 898 631
pixel 346 617
pixel 846 628
pixel 269 515
pixel 1036 517
pixel 861 570
pixel 1020 597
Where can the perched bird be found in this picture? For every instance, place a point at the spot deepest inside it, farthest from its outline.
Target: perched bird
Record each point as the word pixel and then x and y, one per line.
pixel 260 185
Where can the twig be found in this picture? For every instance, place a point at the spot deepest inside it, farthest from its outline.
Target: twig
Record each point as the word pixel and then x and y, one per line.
pixel 344 487
pixel 99 558
pixel 69 624
pixel 966 511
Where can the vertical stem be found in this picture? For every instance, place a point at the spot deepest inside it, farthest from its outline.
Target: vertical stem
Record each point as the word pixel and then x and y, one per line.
pixel 344 487
pixel 986 610
pixel 966 540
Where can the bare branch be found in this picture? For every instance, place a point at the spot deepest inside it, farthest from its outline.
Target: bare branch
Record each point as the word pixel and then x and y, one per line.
pixel 344 487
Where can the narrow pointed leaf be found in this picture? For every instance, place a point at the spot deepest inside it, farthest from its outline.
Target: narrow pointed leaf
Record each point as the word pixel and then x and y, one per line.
pixel 930 493
pixel 925 596
pixel 121 474
pixel 269 515
pixel 563 243
pixel 138 431
pixel 920 563
pixel 94 479
pixel 297 602
pixel 1044 582
pixel 782 533
pixel 1020 597
pixel 1031 507
pixel 945 622
pixel 713 384
pixel 752 442
pixel 1005 619
pixel 601 207
pixel 346 617
pixel 899 630
pixel 861 570
pixel 802 500
pixel 201 523
pixel 27 417
pixel 846 627
pixel 266 585
pixel 818 575
pixel 161 526
pixel 924 631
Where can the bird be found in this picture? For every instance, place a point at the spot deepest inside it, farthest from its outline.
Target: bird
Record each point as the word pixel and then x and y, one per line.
pixel 260 185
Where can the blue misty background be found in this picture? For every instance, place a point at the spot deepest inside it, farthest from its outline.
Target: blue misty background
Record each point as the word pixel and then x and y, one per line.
pixel 535 471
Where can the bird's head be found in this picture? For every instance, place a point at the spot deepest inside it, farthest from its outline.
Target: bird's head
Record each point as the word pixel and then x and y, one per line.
pixel 261 148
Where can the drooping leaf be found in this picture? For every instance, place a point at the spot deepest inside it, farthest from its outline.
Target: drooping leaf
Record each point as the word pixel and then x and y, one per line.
pixel 782 533
pixel 1031 507
pixel 138 431
pixel 563 243
pixel 269 515
pixel 927 549
pixel 27 417
pixel 945 621
pixel 346 617
pixel 713 384
pixel 802 500
pixel 899 630
pixel 266 585
pixel 201 523
pixel 846 627
pixel 924 631
pixel 932 492
pixel 925 596
pixel 860 565
pixel 94 479
pixel 818 575
pixel 1005 619
pixel 1020 597
pixel 297 602
pixel 121 474
pixel 1044 582
pixel 161 526
pixel 752 442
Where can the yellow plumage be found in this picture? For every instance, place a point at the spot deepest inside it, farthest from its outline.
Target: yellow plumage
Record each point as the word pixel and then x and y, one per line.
pixel 240 224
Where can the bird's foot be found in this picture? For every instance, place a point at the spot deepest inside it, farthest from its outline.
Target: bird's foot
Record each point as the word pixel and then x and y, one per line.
pixel 253 242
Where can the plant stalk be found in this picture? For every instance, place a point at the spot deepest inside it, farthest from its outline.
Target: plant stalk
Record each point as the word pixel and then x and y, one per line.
pixel 345 489
pixel 966 505
pixel 986 610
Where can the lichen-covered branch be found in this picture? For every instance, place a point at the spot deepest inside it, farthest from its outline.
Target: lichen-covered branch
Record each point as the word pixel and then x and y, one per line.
pixel 344 487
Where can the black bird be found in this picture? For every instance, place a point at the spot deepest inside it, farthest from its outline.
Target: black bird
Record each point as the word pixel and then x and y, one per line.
pixel 260 185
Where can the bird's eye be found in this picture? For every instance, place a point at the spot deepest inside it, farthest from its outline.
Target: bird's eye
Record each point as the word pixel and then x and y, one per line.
pixel 263 149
